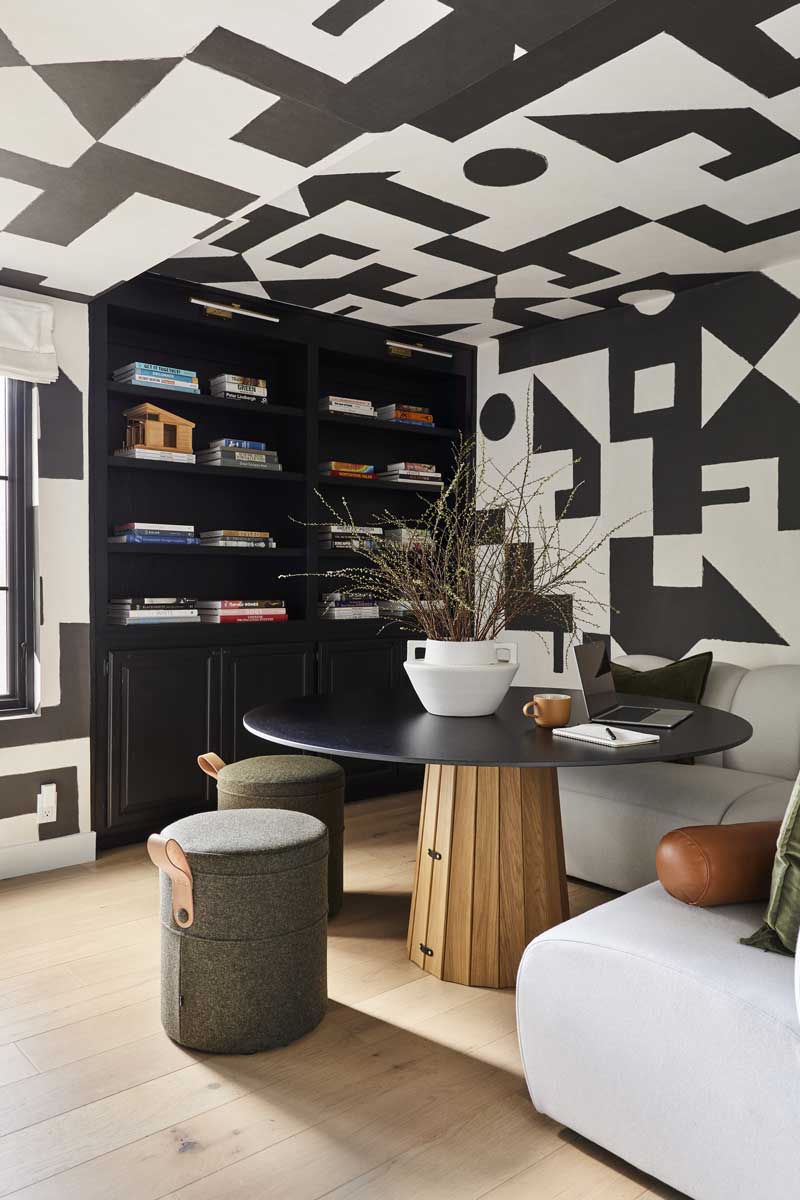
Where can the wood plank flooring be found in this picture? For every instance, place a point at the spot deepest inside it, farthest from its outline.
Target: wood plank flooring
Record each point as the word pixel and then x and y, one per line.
pixel 410 1089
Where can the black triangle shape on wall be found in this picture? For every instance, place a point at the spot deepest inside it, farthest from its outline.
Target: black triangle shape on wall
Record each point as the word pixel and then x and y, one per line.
pixel 98 94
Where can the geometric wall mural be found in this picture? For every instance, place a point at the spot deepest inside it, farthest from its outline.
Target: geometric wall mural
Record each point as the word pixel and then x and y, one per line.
pixel 465 167
pixel 689 422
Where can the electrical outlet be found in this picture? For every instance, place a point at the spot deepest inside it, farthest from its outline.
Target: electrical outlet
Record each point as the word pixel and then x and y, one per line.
pixel 47 803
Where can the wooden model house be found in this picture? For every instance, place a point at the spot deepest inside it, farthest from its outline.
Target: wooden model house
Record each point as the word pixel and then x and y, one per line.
pixel 153 428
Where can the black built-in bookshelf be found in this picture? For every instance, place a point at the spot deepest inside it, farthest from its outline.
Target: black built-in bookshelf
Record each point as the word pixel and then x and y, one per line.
pixel 164 693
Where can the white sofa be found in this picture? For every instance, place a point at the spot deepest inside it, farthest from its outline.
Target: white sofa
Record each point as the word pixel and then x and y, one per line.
pixel 614 817
pixel 646 1027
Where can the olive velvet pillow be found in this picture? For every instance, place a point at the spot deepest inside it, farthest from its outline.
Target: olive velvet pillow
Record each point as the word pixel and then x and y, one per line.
pixel 782 918
pixel 681 680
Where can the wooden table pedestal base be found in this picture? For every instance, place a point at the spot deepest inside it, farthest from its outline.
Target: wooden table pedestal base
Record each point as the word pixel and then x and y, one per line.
pixel 490 871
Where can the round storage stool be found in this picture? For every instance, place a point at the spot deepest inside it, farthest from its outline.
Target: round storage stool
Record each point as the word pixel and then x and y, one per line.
pixel 243 928
pixel 300 782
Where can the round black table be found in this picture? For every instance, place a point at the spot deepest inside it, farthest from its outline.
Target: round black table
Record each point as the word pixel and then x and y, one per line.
pixel 490 870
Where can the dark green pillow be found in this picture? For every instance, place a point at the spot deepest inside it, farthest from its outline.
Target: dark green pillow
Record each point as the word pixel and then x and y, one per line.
pixel 782 919
pixel 682 680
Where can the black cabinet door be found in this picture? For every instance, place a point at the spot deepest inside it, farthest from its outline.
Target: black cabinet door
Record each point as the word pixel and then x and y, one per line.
pixel 163 710
pixel 356 666
pixel 254 675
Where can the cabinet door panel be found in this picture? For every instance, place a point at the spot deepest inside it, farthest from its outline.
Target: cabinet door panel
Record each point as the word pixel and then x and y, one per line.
pixel 355 666
pixel 254 675
pixel 162 712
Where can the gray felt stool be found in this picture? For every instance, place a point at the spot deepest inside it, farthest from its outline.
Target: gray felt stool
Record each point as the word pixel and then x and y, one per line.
pixel 300 782
pixel 243 928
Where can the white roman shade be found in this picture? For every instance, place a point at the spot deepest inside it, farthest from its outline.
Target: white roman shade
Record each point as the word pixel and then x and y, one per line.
pixel 27 351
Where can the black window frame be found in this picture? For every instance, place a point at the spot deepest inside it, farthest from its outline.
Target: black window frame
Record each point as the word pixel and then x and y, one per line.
pixel 21 582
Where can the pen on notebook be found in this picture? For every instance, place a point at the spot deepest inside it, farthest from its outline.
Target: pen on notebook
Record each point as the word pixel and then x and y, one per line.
pixel 611 734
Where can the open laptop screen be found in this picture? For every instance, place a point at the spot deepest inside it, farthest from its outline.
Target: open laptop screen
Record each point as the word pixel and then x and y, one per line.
pixel 594 666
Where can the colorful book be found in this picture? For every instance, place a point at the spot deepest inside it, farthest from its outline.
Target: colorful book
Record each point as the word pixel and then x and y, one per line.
pixel 156 539
pixel 411 466
pixel 145 614
pixel 240 618
pixel 221 605
pixel 226 379
pixel 152 527
pixel 357 468
pixel 236 444
pixel 235 533
pixel 156 369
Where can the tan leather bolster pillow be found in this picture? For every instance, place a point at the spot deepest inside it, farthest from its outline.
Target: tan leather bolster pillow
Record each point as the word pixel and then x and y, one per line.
pixel 718 864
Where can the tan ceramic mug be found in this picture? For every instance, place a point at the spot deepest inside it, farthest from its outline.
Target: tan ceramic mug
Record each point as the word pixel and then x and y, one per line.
pixel 551 710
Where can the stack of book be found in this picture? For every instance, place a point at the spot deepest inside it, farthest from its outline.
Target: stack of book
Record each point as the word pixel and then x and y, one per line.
pixel 348 537
pixel 395 610
pixel 237 612
pixel 239 387
pixel 412 472
pixel 406 538
pixel 352 606
pixel 153 610
pixel 154 533
pixel 346 470
pixel 176 379
pixel 170 456
pixel 253 539
pixel 237 452
pixel 347 406
pixel 407 414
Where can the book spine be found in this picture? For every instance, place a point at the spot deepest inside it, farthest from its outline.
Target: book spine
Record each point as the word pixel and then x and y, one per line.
pixel 143 527
pixel 236 444
pixel 173 385
pixel 163 539
pixel 159 369
pixel 242 619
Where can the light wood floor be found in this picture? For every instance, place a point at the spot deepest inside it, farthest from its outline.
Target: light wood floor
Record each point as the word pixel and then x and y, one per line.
pixel 410 1088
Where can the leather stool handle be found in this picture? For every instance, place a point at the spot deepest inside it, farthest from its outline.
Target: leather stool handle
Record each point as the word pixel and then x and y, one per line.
pixel 211 763
pixel 168 855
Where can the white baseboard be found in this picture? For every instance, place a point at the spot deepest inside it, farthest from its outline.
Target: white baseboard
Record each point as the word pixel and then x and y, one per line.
pixel 30 857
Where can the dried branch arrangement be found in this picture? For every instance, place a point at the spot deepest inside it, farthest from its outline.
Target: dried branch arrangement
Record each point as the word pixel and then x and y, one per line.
pixel 480 554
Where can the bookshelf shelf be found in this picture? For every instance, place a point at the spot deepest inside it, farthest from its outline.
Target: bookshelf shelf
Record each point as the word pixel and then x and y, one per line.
pixel 269 477
pixel 209 551
pixel 393 427
pixel 202 399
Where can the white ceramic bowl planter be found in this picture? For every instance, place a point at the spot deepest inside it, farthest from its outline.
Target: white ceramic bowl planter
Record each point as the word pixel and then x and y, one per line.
pixel 461 679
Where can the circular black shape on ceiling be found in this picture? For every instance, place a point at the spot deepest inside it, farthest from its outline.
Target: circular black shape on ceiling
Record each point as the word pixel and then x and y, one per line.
pixel 497 417
pixel 505 166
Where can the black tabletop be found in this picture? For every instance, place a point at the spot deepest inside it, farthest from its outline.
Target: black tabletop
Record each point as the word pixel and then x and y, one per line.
pixel 393 726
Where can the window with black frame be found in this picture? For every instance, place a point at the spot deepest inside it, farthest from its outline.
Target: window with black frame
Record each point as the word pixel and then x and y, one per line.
pixel 17 560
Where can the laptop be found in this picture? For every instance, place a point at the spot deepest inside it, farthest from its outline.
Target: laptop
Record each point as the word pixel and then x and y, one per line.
pixel 602 702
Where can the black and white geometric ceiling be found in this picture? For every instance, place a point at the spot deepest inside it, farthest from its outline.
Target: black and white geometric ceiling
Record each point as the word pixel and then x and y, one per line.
pixel 467 168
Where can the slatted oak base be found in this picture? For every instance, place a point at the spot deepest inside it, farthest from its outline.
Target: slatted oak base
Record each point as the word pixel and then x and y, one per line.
pixel 490 871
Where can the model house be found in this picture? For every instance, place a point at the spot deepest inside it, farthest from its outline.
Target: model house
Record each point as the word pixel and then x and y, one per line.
pixel 153 428
pixel 400 600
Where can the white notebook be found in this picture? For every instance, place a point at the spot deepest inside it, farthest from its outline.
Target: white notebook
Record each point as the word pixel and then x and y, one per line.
pixel 596 734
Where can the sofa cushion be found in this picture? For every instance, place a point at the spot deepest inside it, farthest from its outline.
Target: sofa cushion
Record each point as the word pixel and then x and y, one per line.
pixel 615 816
pixel 681 680
pixel 768 803
pixel 769 698
pixel 644 1026
pixel 782 919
